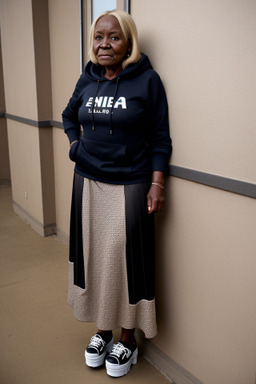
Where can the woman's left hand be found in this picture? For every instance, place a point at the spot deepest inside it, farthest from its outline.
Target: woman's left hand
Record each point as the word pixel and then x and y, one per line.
pixel 155 199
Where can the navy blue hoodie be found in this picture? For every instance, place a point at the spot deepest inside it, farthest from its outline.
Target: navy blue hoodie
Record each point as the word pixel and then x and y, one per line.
pixel 125 136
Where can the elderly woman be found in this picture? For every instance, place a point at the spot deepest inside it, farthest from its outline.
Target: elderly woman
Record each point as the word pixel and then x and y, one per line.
pixel 120 158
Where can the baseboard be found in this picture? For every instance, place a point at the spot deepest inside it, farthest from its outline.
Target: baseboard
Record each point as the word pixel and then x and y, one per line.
pixel 175 373
pixel 43 230
pixel 62 236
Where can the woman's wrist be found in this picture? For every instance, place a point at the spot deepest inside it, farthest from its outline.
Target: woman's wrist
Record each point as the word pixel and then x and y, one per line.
pixel 158 179
pixel 160 185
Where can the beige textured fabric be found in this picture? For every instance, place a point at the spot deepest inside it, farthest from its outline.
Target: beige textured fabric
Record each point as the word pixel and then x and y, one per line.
pixel 105 297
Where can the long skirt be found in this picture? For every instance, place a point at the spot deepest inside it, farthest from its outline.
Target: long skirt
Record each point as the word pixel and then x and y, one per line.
pixel 112 256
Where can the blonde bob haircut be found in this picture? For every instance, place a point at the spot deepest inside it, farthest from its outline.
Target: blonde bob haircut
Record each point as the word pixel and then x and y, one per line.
pixel 129 30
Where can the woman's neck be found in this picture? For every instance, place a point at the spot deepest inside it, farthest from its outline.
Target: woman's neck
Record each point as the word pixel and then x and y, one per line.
pixel 111 73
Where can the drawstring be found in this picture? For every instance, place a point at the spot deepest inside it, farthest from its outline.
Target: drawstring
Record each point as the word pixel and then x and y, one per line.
pixel 93 104
pixel 112 107
pixel 111 112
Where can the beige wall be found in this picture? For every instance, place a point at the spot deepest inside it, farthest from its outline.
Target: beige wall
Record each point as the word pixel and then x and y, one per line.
pixel 42 58
pixel 4 148
pixel 21 100
pixel 64 24
pixel 63 169
pixel 205 53
pixel 18 58
pixel 5 176
pixel 25 166
pixel 26 70
pixel 206 286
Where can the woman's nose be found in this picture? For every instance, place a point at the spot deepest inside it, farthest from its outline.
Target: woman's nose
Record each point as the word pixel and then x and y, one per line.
pixel 105 43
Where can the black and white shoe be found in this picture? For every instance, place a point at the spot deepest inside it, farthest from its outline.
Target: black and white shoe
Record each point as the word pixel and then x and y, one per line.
pixel 96 351
pixel 120 359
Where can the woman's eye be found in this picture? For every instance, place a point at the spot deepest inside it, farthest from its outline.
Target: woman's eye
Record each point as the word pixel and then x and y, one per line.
pixel 114 38
pixel 97 37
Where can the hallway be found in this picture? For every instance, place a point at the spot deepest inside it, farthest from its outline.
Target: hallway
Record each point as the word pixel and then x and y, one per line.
pixel 41 342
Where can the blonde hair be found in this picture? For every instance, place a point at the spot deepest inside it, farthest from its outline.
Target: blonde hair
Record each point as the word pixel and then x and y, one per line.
pixel 129 30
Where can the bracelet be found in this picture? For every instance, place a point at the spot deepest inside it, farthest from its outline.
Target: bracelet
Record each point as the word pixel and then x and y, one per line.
pixel 158 185
pixel 70 145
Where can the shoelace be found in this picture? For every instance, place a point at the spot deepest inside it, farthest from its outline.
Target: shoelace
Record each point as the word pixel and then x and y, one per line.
pixel 97 341
pixel 119 349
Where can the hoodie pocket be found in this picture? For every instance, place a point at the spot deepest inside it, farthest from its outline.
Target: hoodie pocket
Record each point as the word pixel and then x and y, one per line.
pixel 102 157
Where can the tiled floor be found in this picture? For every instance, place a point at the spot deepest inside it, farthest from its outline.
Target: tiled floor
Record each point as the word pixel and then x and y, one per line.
pixel 40 340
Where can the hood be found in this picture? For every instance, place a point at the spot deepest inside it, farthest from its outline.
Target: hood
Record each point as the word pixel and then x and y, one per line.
pixel 94 71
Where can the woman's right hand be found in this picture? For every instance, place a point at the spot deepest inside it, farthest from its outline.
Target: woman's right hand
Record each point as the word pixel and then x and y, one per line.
pixel 70 145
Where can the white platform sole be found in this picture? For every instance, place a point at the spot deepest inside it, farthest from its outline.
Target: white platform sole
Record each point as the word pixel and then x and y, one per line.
pixel 95 361
pixel 116 370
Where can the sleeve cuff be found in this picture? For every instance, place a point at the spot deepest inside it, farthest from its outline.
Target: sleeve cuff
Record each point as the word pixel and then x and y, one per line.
pixel 72 135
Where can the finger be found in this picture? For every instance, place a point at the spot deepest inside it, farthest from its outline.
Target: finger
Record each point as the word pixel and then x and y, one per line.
pixel 149 204
pixel 154 207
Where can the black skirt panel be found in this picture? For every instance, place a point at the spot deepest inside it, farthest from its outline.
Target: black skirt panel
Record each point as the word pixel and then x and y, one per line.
pixel 76 239
pixel 140 245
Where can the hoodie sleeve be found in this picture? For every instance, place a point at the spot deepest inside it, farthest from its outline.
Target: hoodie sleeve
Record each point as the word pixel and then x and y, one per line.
pixel 70 114
pixel 161 144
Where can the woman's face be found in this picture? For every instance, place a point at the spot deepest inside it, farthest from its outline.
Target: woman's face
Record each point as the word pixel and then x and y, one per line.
pixel 109 46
